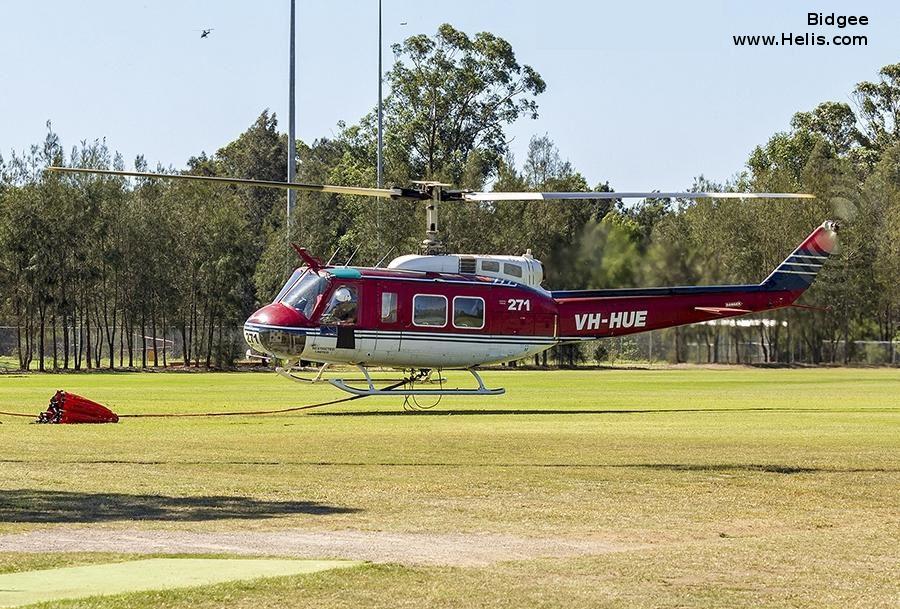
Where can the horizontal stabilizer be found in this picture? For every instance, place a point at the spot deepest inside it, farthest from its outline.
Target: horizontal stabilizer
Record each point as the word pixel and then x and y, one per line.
pixel 723 310
pixel 811 307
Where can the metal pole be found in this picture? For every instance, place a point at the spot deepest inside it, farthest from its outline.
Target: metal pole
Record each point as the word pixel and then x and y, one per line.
pixel 292 138
pixel 378 162
pixel 380 140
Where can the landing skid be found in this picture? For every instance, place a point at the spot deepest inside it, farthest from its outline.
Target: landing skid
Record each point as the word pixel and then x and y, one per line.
pixel 286 373
pixel 408 388
pixel 411 380
pixel 318 378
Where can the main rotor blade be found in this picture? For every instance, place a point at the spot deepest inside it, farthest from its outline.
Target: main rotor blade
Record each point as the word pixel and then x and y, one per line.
pixel 393 193
pixel 546 196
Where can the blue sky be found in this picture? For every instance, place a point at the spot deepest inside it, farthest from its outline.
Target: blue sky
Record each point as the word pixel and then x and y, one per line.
pixel 646 94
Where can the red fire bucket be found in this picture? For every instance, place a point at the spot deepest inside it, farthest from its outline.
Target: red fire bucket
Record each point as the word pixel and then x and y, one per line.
pixel 70 408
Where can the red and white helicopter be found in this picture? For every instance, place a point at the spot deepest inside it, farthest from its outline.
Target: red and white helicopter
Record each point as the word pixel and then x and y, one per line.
pixel 437 311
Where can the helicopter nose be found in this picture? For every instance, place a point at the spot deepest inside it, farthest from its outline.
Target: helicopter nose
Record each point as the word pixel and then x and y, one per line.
pixel 278 330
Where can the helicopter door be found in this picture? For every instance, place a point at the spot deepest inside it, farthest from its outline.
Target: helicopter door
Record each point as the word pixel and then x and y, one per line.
pixel 389 335
pixel 341 315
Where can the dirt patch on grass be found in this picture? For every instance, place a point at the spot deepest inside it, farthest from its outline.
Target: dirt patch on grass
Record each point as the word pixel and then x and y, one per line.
pixel 375 546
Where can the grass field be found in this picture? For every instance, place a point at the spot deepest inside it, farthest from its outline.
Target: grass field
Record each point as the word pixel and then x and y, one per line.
pixel 726 487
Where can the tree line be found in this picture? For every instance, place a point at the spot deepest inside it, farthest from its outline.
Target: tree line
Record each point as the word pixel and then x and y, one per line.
pixel 108 272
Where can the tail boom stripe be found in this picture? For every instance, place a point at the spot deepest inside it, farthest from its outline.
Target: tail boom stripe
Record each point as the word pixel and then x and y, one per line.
pixel 800 268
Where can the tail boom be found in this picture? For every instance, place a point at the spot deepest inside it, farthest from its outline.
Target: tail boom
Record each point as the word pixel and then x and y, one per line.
pixel 588 314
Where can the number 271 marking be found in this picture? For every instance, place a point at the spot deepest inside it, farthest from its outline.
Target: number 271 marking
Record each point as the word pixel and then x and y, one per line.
pixel 518 304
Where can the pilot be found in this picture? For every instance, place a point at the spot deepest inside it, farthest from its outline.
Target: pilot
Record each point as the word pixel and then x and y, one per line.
pixel 344 311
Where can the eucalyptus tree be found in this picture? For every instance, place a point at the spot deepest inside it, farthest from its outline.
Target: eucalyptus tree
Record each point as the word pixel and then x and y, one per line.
pixel 257 153
pixel 20 228
pixel 450 95
pixel 882 193
pixel 878 109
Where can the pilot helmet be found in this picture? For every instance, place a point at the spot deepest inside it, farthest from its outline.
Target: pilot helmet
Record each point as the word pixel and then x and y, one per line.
pixel 343 294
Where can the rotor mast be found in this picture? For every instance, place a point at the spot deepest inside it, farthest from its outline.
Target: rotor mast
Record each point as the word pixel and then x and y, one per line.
pixel 433 193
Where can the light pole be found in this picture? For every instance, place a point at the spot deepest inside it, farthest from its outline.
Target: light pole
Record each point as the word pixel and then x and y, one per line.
pixel 380 140
pixel 292 139
pixel 378 158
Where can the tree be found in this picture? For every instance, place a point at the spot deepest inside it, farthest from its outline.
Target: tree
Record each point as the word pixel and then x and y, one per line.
pixel 450 96
pixel 878 104
pixel 97 267
pixel 259 153
pixel 882 192
pixel 551 229
pixel 835 121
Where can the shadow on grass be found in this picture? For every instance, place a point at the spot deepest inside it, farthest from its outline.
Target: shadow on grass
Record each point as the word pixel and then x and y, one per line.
pixel 208 508
pixel 554 411
pixel 28 505
pixel 769 468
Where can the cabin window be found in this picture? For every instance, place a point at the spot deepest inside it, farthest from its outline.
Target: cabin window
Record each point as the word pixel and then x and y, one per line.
pixel 512 269
pixel 342 307
pixel 468 312
pixel 491 266
pixel 429 310
pixel 388 307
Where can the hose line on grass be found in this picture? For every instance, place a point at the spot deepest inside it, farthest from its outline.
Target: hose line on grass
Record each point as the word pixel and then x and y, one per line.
pixel 149 415
pixel 243 413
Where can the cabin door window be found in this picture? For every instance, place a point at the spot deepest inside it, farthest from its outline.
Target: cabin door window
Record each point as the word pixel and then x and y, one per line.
pixel 389 335
pixel 388 307
pixel 343 307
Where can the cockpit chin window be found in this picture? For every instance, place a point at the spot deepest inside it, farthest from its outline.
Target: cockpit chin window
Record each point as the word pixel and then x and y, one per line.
pixel 302 291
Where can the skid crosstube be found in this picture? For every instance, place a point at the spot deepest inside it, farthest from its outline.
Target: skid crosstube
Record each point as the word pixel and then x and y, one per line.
pixel 372 390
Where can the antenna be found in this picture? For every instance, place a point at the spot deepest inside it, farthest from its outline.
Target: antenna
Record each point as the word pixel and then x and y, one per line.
pixel 377 264
pixel 353 255
pixel 333 255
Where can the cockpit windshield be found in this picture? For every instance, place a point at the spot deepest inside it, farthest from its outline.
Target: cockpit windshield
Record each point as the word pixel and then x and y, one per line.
pixel 290 283
pixel 302 291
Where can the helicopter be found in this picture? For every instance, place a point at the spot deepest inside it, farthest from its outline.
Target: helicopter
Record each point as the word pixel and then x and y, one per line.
pixel 433 311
